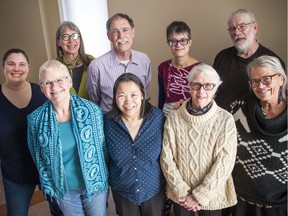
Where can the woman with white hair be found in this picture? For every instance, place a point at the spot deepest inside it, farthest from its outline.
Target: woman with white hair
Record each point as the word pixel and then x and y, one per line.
pixel 260 172
pixel 199 150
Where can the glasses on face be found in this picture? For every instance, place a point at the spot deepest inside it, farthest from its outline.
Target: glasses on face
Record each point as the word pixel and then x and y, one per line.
pixel 59 82
pixel 182 41
pixel 241 27
pixel 123 30
pixel 265 80
pixel 67 37
pixel 206 86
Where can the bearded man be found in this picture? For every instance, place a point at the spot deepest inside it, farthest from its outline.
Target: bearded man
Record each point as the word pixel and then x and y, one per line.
pixel 231 62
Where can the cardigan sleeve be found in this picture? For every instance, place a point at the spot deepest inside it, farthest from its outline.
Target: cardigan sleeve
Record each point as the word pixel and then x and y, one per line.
pixel 224 160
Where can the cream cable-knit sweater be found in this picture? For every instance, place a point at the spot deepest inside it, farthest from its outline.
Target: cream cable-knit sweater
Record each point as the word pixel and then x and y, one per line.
pixel 198 156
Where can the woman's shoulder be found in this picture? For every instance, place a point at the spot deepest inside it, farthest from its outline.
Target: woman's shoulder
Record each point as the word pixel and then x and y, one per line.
pixel 40 110
pixel 164 63
pixel 91 105
pixel 90 57
pixel 155 111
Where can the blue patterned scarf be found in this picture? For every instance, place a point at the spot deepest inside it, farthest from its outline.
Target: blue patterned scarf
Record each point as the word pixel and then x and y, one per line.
pixel 46 149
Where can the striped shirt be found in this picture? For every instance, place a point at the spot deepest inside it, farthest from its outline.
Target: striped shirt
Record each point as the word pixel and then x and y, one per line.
pixel 103 72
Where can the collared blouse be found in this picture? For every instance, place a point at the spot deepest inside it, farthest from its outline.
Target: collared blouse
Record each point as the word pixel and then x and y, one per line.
pixel 134 166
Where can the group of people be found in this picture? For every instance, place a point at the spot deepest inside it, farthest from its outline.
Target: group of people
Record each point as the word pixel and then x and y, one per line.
pixel 215 145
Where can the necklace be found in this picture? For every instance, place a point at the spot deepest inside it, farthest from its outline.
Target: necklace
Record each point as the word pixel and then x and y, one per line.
pixel 263 112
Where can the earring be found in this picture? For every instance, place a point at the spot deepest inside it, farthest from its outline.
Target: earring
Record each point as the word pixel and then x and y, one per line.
pixel 60 53
pixel 280 96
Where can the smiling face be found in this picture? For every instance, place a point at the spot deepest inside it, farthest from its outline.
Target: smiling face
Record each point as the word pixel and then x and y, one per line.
pixel 270 92
pixel 55 82
pixel 201 98
pixel 129 99
pixel 180 50
pixel 121 35
pixel 16 68
pixel 70 47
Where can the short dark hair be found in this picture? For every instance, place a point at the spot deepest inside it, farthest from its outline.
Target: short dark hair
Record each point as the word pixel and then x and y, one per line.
pixel 115 112
pixel 177 27
pixel 116 16
pixel 14 50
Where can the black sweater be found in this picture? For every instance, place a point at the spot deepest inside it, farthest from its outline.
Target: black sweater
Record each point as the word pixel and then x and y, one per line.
pixel 232 70
pixel 260 172
pixel 16 162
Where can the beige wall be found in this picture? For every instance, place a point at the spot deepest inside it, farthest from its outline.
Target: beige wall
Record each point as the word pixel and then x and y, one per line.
pixel 31 25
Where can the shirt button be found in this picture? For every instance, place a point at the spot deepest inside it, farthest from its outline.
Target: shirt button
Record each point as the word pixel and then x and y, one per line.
pixel 135 168
pixel 136 180
pixel 137 190
pixel 134 156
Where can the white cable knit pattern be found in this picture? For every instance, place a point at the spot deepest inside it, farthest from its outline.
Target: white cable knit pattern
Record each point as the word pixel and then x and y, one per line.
pixel 198 156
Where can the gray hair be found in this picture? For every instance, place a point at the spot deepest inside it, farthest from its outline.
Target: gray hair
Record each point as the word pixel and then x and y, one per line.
pixel 60 30
pixel 206 70
pixel 242 11
pixel 118 16
pixel 272 63
pixel 52 65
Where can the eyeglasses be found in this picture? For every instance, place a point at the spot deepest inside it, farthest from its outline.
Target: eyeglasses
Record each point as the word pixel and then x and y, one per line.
pixel 174 42
pixel 241 27
pixel 265 80
pixel 67 37
pixel 206 86
pixel 49 84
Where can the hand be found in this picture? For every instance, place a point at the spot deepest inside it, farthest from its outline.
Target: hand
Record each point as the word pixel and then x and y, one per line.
pixel 190 203
pixel 178 104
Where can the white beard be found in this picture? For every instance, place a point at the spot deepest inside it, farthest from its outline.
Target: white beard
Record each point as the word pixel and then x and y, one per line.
pixel 244 46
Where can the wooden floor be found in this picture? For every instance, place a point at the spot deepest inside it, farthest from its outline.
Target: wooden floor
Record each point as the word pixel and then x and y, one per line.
pixel 39 206
pixel 36 199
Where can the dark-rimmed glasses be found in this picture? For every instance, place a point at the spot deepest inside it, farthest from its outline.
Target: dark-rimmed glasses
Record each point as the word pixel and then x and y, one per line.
pixel 174 42
pixel 206 86
pixel 49 84
pixel 241 27
pixel 265 80
pixel 67 37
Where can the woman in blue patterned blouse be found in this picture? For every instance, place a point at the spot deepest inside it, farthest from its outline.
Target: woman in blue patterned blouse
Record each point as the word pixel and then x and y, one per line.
pixel 133 132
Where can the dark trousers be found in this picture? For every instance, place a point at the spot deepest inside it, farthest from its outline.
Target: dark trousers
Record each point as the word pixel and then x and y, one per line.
pixel 54 207
pixel 245 209
pixel 226 211
pixel 181 211
pixel 150 207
